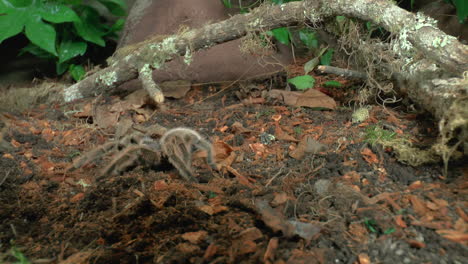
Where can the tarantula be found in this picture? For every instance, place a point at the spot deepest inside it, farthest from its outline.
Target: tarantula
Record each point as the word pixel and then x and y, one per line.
pixel 177 145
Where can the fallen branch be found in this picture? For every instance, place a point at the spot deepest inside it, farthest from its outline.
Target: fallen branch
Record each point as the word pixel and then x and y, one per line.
pixel 140 59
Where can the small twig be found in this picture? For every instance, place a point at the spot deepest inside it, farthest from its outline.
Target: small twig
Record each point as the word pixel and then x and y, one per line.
pixel 4 178
pixel 297 201
pixel 274 177
pixel 341 72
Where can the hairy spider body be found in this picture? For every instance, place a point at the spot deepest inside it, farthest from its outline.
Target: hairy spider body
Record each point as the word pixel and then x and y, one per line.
pixel 177 144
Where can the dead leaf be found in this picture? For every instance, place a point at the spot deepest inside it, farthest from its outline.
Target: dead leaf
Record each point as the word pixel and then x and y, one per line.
pixel 187 248
pixel 258 148
pixel 416 244
pixel 369 156
pixel 415 185
pixel 311 256
pixel 418 205
pixel 160 185
pixel 210 251
pixel 400 222
pixel 74 137
pixel 240 178
pixel 269 255
pixel 77 197
pixel 175 89
pixel 213 209
pixel 310 98
pixel 105 118
pixel 86 112
pixel 48 134
pixel 79 257
pixel 358 233
pixel 461 213
pixel 280 198
pixel 352 176
pixel 281 135
pixel 364 258
pixel 195 237
pixel 252 233
pixel 221 150
pixel 246 247
pixel 135 100
pixel 461 225
pixel 454 235
pixel 432 206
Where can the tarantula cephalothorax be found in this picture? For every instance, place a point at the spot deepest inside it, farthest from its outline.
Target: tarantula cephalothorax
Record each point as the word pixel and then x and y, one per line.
pixel 177 145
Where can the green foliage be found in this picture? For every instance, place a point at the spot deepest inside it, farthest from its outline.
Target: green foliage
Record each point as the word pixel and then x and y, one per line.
pixel 265 113
pixel 280 2
pixel 281 34
pixel 227 3
pixel 59 29
pixel 371 225
pixel 303 82
pixel 335 84
pixel 309 38
pixel 19 256
pixel 389 231
pixel 77 71
pixel 298 130
pixel 326 58
pixel 376 135
pixel 462 9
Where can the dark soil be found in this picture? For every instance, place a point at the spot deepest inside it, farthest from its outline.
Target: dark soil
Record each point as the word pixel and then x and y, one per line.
pixel 340 205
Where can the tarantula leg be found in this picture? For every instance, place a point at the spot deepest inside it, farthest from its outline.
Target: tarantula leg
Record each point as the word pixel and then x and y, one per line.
pixel 127 158
pixel 182 166
pixel 92 155
pixel 202 144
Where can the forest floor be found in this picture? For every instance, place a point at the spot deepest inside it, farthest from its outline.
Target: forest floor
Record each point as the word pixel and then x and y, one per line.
pixel 293 185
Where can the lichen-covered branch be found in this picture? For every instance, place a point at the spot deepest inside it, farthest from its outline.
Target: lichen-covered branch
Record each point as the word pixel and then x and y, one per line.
pixel 155 52
pixel 415 33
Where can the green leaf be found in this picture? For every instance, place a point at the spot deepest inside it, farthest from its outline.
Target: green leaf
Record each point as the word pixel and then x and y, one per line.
pixel 227 3
pixel 370 223
pixel 89 33
pixel 462 9
pixel 60 68
pixel 308 38
pixel 389 231
pixel 302 82
pixel 89 27
pixel 310 65
pixel 332 84
pixel 116 7
pixel 41 34
pixel 69 49
pixel 326 58
pixel 57 13
pixel 118 25
pixel 20 3
pixel 282 35
pixel 36 51
pixel 77 72
pixel 19 256
pixel 11 24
